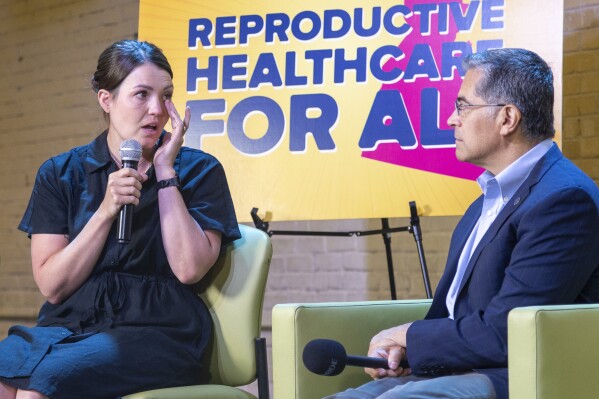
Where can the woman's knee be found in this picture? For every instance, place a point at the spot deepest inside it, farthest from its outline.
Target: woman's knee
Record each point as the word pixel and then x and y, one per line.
pixel 7 392
pixel 21 394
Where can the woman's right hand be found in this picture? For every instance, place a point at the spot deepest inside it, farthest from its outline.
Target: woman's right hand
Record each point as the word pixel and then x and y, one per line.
pixel 124 187
pixel 61 264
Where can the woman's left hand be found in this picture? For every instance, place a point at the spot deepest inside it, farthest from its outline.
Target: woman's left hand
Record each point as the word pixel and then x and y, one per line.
pixel 165 155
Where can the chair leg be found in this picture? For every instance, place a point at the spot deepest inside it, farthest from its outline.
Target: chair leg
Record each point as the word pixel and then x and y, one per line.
pixel 262 369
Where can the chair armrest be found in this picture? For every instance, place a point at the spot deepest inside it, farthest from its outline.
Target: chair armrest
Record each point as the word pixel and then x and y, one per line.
pixel 351 323
pixel 553 351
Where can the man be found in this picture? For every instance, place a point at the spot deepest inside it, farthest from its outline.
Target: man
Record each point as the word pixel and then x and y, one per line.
pixel 532 238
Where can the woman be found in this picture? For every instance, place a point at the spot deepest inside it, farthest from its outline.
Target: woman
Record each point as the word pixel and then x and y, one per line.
pixel 121 318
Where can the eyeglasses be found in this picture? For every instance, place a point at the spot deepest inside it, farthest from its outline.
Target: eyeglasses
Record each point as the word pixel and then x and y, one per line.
pixel 460 107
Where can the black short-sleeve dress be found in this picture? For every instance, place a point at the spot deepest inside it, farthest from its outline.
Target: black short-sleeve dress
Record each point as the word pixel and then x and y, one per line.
pixel 132 326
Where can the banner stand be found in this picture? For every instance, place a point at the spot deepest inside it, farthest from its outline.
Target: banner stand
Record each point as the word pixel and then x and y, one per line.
pixel 386 231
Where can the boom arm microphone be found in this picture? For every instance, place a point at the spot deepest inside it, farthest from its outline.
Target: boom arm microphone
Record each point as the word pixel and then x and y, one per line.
pixel 328 357
pixel 130 155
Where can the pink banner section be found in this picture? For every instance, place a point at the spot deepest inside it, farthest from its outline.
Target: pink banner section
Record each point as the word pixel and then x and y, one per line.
pixel 427 92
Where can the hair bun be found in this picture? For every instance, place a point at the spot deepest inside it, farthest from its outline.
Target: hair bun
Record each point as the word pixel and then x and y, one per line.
pixel 95 84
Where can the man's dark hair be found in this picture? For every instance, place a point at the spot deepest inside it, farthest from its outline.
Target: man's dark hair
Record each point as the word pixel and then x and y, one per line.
pixel 519 77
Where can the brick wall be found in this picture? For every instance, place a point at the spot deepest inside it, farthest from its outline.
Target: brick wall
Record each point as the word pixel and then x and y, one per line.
pixel 581 84
pixel 49 53
pixel 314 269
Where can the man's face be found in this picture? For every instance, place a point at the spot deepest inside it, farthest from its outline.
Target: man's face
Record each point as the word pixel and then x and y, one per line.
pixel 476 134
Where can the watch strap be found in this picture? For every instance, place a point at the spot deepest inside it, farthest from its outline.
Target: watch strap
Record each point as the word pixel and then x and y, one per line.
pixel 173 181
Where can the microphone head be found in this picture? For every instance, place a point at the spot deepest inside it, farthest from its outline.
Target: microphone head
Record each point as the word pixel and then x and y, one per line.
pixel 324 357
pixel 130 150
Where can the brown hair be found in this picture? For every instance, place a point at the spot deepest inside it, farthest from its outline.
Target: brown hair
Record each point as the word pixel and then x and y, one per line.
pixel 121 58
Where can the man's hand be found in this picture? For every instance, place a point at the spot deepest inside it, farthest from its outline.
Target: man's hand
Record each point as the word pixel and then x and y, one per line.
pixel 389 344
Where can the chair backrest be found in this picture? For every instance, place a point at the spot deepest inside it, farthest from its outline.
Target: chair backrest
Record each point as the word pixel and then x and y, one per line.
pixel 233 290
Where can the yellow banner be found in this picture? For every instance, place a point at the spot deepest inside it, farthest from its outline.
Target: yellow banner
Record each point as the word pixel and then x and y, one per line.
pixel 337 109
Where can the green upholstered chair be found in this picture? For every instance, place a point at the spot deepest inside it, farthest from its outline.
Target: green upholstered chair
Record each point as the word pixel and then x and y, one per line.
pixel 553 350
pixel 351 323
pixel 234 292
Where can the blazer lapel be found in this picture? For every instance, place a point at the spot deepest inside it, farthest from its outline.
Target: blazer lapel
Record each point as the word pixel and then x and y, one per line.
pixel 552 156
pixel 461 234
pixel 462 231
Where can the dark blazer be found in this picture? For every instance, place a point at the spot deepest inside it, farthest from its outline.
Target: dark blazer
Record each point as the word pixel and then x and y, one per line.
pixel 542 249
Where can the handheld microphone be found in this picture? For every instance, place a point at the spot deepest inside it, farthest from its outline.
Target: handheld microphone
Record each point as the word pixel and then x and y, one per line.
pixel 328 357
pixel 130 151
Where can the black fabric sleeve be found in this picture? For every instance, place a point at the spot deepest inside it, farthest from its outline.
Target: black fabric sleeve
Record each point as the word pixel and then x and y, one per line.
pixel 47 212
pixel 206 193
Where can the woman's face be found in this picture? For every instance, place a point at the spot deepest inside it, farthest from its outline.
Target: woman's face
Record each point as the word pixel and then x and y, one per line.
pixel 136 108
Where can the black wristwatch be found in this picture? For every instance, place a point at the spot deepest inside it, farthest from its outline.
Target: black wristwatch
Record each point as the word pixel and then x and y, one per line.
pixel 173 181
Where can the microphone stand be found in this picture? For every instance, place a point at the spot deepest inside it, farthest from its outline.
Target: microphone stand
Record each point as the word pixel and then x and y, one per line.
pixel 385 231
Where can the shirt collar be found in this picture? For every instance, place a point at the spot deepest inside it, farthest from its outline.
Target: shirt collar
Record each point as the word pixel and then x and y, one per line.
pixel 98 155
pixel 516 173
